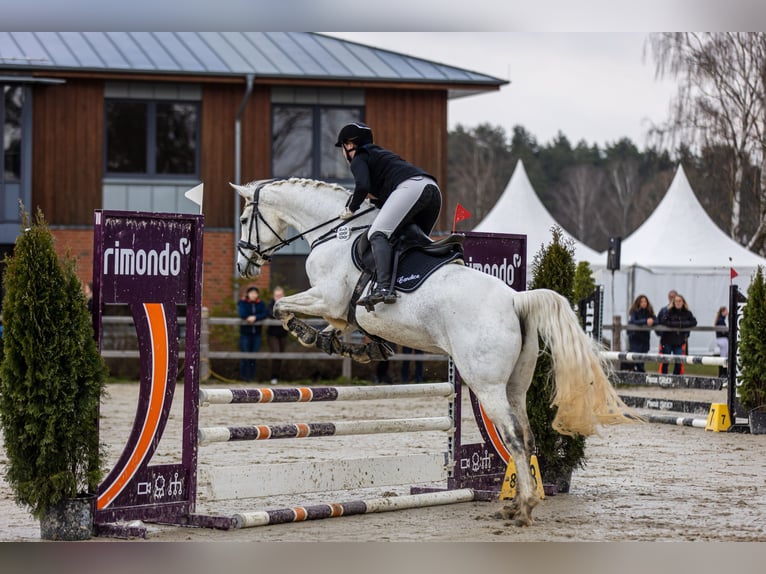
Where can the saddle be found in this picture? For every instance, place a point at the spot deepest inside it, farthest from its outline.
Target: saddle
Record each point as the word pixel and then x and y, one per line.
pixel 416 257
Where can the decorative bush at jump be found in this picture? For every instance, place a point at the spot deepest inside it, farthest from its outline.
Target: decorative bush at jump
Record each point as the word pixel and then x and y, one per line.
pixel 51 377
pixel 553 268
pixel 584 284
pixel 752 346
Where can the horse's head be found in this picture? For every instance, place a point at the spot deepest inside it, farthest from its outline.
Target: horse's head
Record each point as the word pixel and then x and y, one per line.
pixel 261 230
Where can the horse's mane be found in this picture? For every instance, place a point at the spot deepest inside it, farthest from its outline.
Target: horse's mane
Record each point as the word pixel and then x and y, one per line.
pixel 303 182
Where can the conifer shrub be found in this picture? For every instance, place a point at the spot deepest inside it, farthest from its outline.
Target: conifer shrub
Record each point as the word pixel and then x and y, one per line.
pixel 52 376
pixel 553 268
pixel 752 346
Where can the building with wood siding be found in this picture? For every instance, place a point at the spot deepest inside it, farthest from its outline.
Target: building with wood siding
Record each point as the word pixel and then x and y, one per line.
pixel 131 120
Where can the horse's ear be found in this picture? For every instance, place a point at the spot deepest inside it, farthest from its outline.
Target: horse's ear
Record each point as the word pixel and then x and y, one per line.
pixel 243 190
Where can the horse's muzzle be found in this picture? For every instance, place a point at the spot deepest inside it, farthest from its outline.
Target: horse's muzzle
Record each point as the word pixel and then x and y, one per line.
pixel 247 268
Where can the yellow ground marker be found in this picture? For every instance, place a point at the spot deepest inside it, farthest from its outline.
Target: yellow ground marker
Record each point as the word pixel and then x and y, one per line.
pixel 719 418
pixel 508 490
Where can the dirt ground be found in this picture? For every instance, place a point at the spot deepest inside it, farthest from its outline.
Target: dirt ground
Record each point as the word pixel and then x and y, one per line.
pixel 642 482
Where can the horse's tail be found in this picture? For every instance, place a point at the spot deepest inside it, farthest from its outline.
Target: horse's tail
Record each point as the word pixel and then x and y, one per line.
pixel 583 393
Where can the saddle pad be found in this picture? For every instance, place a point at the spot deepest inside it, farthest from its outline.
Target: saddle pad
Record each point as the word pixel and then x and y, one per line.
pixel 415 266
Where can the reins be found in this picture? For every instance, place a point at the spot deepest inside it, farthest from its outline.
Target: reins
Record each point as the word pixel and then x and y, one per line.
pixel 265 255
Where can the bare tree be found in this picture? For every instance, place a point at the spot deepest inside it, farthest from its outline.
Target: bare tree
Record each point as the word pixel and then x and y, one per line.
pixel 720 101
pixel 579 198
pixel 479 168
pixel 623 174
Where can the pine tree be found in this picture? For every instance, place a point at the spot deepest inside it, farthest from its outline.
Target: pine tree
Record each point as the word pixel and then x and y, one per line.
pixel 52 376
pixel 553 268
pixel 584 285
pixel 752 345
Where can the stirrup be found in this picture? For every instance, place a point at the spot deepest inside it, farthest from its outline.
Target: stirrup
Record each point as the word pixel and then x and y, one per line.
pixel 378 296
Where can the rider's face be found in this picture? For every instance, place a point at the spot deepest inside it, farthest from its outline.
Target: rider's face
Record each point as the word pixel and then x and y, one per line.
pixel 349 150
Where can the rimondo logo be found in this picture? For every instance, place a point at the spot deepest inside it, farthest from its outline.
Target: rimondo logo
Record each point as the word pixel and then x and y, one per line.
pixel 145 262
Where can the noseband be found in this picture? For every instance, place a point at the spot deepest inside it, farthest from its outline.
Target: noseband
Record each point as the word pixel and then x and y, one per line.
pixel 257 256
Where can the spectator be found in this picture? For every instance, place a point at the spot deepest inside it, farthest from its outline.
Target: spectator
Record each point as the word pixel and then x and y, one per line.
pixel 251 310
pixel 276 336
pixel 406 366
pixel 722 336
pixel 678 317
pixel 87 288
pixel 641 313
pixel 381 373
pixel 661 314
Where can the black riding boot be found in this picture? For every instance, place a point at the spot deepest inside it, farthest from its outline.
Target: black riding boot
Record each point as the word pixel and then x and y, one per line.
pixel 383 255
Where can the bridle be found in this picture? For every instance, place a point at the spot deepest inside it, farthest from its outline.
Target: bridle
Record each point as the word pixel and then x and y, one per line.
pixel 260 256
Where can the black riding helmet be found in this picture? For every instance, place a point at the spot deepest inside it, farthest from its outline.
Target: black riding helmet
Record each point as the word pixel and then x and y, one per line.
pixel 357 133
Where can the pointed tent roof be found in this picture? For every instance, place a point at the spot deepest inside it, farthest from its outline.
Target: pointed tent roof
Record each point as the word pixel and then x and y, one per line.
pixel 680 234
pixel 519 210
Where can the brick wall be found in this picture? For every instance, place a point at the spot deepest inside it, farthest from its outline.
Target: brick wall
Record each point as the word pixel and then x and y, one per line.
pixel 217 263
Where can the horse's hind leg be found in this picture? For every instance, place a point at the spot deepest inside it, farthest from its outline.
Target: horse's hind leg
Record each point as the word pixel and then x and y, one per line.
pixel 518 384
pixel 511 428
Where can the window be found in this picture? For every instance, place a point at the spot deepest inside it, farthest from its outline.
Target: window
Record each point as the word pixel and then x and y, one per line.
pixel 152 138
pixel 11 120
pixel 303 140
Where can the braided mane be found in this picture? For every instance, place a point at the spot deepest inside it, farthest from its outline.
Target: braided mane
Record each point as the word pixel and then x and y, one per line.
pixel 304 182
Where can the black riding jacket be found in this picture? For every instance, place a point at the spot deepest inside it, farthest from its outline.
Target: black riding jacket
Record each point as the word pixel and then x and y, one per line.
pixel 378 172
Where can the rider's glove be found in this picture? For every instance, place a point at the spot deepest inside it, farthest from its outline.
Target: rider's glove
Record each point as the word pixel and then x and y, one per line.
pixel 346 214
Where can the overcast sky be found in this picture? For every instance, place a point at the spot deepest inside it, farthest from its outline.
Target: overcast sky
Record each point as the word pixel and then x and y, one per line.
pixel 593 86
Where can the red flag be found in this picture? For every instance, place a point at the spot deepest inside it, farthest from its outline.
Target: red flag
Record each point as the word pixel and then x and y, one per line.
pixel 461 213
pixel 732 273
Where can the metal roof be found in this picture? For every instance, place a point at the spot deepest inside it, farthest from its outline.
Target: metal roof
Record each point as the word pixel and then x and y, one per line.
pixel 264 54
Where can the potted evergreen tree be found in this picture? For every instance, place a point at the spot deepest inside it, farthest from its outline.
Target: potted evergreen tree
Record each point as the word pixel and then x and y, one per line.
pixel 52 378
pixel 752 355
pixel 558 455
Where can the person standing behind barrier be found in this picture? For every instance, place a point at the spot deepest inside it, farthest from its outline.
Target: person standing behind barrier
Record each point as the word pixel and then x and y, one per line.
pixel 87 289
pixel 641 313
pixel 662 312
pixel 672 342
pixel 722 337
pixel 406 366
pixel 276 336
pixel 251 309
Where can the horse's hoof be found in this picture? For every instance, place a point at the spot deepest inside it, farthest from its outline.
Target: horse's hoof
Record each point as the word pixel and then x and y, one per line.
pixel 505 513
pixel 514 513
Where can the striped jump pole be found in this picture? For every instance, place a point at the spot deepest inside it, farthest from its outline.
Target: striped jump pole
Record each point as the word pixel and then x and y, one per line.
pixel 335 510
pixel 321 394
pixel 659 358
pixel 305 430
pixel 679 421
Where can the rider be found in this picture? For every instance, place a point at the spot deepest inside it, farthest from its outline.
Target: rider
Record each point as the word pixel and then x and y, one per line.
pixel 403 192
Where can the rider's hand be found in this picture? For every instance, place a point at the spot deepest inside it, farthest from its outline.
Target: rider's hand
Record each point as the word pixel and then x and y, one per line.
pixel 346 214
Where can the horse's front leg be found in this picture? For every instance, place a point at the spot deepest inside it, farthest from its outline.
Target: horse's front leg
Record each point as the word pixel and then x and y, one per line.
pixel 309 302
pixel 329 340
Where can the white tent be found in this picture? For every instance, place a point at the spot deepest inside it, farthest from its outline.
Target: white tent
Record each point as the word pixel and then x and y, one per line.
pixel 679 247
pixel 519 210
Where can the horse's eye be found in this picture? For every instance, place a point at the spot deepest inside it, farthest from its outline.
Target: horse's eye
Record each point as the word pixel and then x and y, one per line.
pixel 243 220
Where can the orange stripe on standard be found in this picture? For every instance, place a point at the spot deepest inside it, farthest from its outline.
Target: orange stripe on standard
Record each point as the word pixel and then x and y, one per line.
pixel 494 437
pixel 305 395
pixel 155 313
